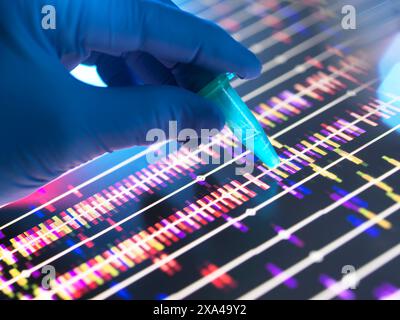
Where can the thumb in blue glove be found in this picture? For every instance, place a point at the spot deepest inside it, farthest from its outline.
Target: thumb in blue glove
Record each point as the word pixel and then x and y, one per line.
pixel 149 53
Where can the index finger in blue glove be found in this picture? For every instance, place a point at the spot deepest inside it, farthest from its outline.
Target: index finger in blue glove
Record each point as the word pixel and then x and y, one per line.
pixel 117 118
pixel 167 33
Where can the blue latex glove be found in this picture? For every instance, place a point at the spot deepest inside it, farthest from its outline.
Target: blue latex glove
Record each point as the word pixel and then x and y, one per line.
pixel 50 122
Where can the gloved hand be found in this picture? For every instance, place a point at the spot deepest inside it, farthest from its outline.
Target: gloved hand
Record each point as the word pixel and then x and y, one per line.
pixel 50 122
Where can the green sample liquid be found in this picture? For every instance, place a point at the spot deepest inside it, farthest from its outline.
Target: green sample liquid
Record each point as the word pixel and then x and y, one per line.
pixel 240 119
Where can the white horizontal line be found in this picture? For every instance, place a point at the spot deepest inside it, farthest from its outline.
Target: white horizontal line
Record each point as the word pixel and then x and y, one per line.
pixel 195 286
pixel 362 273
pixel 82 185
pixel 107 293
pixel 322 253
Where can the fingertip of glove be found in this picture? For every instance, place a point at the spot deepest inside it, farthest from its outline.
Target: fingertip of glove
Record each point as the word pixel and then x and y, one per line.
pixel 252 66
pixel 256 67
